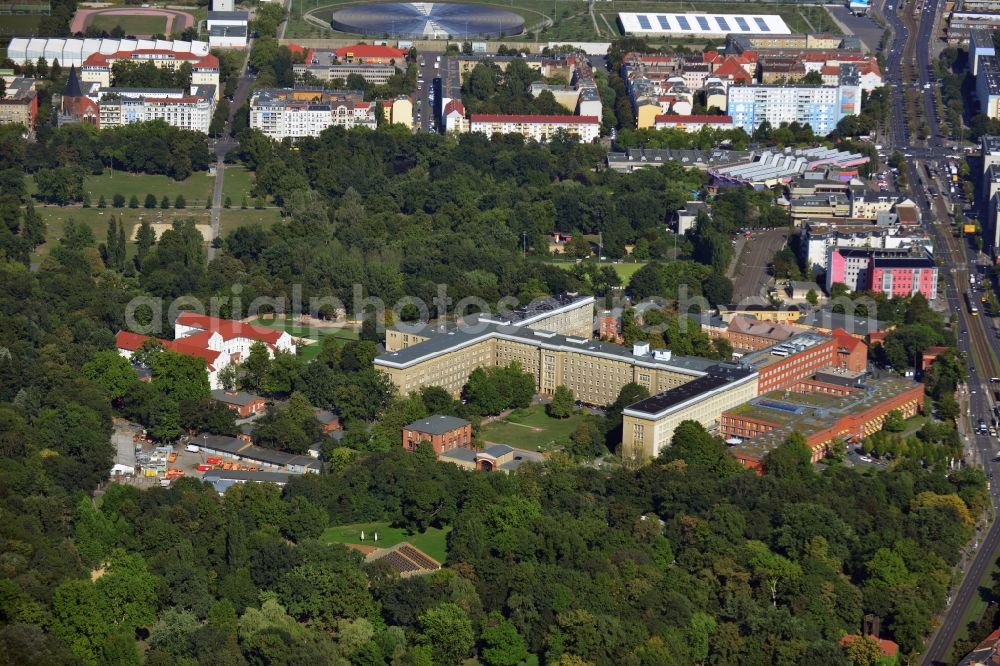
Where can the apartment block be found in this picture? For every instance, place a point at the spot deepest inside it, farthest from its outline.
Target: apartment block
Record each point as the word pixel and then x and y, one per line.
pixel 988 86
pixel 902 272
pixel 821 236
pixel 298 112
pixel 821 107
pixel 19 105
pixel 204 68
pixel 124 106
pixel 537 127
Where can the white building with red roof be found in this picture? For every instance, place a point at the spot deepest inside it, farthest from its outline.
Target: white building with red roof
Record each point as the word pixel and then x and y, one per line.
pixel 538 127
pixel 219 342
pixel 693 123
pixel 204 68
pixel 371 53
pixel 453 117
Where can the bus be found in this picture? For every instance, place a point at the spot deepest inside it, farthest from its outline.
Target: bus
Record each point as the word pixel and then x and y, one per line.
pixel 971 302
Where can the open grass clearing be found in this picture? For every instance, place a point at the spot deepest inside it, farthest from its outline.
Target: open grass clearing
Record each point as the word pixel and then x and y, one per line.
pixel 97 219
pixel 297 329
pixel 132 25
pixel 196 188
pixel 625 270
pixel 531 429
pixel 434 541
pixel 236 185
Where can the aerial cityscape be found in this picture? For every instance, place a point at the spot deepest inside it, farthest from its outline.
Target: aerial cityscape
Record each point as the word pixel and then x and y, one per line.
pixel 502 333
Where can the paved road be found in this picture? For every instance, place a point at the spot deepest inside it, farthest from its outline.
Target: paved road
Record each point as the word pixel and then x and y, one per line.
pixel 751 267
pixel 867 30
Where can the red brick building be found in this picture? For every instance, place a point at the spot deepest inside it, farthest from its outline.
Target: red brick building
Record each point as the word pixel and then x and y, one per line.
pixel 609 327
pixel 784 365
pixel 852 353
pixel 243 403
pixel 443 432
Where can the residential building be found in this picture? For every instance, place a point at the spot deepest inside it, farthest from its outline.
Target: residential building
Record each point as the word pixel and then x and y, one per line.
pixel 904 276
pixel 443 432
pixel 745 333
pixel 986 653
pixel 826 413
pixel 124 106
pixel 989 190
pixel 493 458
pixel 398 111
pixel 785 314
pixel 219 342
pixel 980 45
pixel 693 123
pixel 648 425
pixel 961 25
pixel 687 217
pixel 538 127
pixel 243 403
pixel 821 107
pixel 609 327
pixel 821 236
pixel 988 86
pixel 204 68
pixel 19 105
pixel 73 52
pixel 453 117
pixel 566 314
pixel 298 112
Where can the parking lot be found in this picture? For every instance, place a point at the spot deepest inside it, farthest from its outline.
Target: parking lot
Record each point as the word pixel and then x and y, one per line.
pixel 127 449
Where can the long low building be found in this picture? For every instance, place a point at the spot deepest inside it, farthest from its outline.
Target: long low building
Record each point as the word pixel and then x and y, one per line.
pixel 536 127
pixel 778 167
pixel 648 425
pixel 232 448
pixel 707 24
pixel 594 371
pixel 846 414
pixel 24 50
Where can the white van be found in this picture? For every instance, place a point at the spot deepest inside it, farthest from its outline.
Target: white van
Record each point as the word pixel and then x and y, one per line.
pixel 191 448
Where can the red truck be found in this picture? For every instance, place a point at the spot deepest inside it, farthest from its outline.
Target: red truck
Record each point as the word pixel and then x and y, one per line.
pixel 204 468
pixel 213 461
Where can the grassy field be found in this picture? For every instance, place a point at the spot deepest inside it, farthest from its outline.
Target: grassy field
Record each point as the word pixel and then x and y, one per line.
pixel 234 217
pixel 572 20
pixel 236 185
pixel 531 429
pixel 196 189
pixel 132 25
pixel 20 24
pixel 433 541
pixel 293 328
pixel 625 271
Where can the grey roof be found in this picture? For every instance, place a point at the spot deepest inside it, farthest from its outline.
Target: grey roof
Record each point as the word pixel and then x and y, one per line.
pixel 438 424
pixel 827 319
pixel 325 416
pixel 228 31
pixel 460 453
pixel 241 398
pixel 234 446
pixel 463 336
pixel 229 16
pixel 498 450
pixel 721 375
pixel 243 475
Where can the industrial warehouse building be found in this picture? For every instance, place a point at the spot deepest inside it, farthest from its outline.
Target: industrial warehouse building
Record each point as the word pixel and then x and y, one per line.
pixel 700 25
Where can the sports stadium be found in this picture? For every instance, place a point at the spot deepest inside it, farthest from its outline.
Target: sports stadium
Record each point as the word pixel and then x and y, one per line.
pixel 428 20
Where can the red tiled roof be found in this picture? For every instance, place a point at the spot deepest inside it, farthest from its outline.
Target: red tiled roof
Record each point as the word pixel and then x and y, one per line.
pixel 370 51
pixel 568 120
pixel 830 69
pixel 98 59
pixel 194 345
pixel 704 119
pixel 889 648
pixel 453 106
pixel 845 339
pixel 229 329
pixel 731 67
pixel 130 341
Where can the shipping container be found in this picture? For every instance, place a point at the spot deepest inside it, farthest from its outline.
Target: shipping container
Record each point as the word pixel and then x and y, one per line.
pixel 150 472
pixel 213 461
pixel 204 468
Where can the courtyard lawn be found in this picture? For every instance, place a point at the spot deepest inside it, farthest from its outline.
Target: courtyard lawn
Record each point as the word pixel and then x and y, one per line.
pixel 297 330
pixel 625 270
pixel 132 25
pixel 531 429
pixel 434 541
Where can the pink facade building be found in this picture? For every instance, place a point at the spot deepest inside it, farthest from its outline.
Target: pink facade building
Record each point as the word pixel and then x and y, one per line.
pixel 904 276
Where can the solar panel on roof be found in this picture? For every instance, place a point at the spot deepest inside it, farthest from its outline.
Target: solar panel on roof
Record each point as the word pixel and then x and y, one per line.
pixel 741 22
pixel 644 22
pixel 682 20
pixel 762 24
pixel 702 21
pixel 723 23
pixel 664 23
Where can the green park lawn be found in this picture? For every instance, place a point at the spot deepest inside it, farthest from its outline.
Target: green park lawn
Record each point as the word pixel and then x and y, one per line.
pixel 625 270
pixel 434 541
pixel 234 217
pixel 132 25
pixel 236 185
pixel 531 429
pixel 196 189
